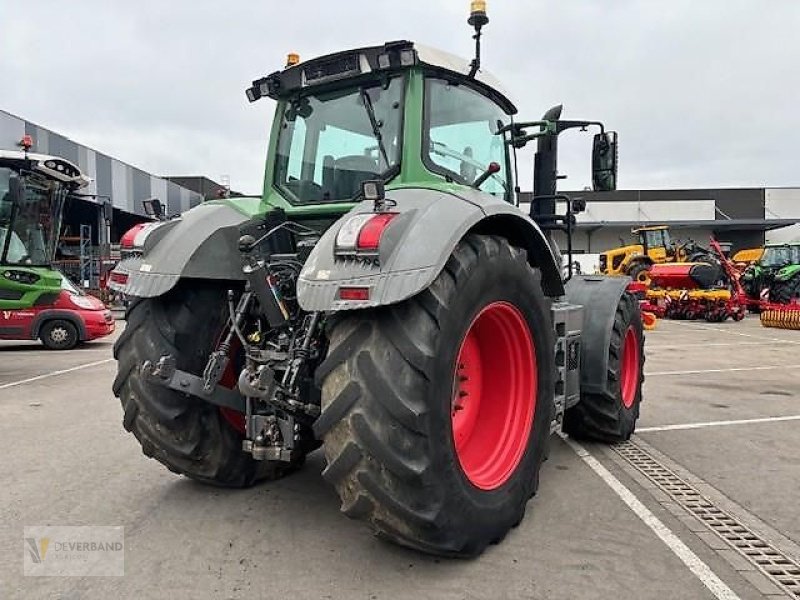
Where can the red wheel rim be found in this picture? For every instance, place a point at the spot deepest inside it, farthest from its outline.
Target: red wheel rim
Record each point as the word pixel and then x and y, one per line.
pixel 629 368
pixel 494 395
pixel 229 380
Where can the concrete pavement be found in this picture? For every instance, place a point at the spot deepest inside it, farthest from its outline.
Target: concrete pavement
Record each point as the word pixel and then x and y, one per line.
pixel 67 461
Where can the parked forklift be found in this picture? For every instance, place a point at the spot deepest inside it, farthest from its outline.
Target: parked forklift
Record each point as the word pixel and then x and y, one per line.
pixel 655 247
pixel 36 300
pixel 386 299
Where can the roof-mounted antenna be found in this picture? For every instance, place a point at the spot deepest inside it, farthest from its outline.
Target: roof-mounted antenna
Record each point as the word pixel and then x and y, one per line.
pixel 477 18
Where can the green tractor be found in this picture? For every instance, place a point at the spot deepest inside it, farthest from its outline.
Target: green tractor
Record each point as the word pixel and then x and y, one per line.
pixel 776 276
pixel 385 299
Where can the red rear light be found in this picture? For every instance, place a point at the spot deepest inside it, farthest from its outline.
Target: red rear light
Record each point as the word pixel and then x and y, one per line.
pixel 369 238
pixel 121 278
pixel 353 293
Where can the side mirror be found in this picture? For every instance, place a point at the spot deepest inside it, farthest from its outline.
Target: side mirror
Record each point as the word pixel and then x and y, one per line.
pixel 604 162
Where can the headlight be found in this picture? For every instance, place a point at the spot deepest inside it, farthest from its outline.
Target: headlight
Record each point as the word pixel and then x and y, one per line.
pixel 84 302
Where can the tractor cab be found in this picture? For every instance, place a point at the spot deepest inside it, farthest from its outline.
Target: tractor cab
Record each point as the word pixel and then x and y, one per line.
pixel 408 116
pixel 656 242
pixel 400 113
pixel 33 190
pixel 779 256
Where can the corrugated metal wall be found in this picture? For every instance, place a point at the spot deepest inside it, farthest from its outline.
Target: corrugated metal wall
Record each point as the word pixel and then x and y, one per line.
pixel 126 184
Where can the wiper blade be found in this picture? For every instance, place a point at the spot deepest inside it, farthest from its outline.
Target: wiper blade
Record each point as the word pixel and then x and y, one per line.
pixel 376 130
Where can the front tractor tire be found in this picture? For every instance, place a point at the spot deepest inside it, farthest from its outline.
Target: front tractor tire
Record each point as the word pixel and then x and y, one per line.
pixel 186 434
pixel 610 415
pixel 436 411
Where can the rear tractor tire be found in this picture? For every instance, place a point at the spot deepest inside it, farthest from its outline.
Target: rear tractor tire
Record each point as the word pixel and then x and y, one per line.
pixel 786 292
pixel 436 411
pixel 610 416
pixel 186 434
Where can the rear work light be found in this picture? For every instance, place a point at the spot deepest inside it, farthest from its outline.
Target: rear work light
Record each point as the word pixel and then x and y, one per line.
pixel 362 233
pixel 121 278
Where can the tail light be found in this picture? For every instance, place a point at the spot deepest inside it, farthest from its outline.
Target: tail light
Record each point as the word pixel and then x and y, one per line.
pixel 363 232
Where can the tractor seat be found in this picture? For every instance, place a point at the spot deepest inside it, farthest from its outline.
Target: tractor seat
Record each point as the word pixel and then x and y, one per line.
pixel 349 172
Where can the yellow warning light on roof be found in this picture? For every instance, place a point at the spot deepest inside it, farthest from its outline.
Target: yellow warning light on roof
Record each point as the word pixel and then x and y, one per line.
pixel 292 59
pixel 477 14
pixel 478 6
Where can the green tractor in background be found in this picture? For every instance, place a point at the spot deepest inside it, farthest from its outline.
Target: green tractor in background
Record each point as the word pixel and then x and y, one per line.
pixel 387 299
pixel 776 276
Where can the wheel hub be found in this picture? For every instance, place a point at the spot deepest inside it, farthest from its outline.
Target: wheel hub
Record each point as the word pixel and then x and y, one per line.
pixel 494 395
pixel 629 370
pixel 59 335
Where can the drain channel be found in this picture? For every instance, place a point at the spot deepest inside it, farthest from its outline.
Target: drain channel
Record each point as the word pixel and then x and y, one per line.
pixel 780 569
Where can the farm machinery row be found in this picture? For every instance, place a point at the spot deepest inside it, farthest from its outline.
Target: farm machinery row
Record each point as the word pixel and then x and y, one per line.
pixel 706 288
pixel 713 286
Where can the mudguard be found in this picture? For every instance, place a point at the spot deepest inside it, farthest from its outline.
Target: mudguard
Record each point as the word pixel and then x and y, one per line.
pixel 787 273
pixel 201 244
pixel 599 297
pixel 415 247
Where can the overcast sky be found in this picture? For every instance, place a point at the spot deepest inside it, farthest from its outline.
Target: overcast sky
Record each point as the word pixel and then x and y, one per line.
pixel 702 92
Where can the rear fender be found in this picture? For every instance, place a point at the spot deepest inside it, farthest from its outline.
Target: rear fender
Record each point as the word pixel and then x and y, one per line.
pixel 201 244
pixel 787 273
pixel 599 297
pixel 415 248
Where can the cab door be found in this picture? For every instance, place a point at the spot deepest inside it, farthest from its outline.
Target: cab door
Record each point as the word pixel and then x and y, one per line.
pixel 654 246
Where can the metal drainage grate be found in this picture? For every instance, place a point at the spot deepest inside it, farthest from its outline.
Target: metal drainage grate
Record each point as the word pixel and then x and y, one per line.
pixel 773 563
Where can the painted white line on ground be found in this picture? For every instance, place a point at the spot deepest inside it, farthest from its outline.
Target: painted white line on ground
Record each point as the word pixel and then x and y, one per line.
pixel 695 564
pixel 750 335
pixel 649 347
pixel 54 373
pixel 728 370
pixel 702 425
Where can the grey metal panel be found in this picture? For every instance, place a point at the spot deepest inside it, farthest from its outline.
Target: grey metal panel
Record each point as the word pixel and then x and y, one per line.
pixel 173 198
pixel 41 138
pixel 119 186
pixel 103 178
pixel 140 186
pixel 11 130
pixel 61 146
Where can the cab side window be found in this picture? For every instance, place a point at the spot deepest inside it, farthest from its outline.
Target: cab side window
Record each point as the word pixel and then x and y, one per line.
pixel 461 138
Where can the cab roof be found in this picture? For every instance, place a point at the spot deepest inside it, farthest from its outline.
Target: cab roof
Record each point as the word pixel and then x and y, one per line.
pixel 52 167
pixel 374 62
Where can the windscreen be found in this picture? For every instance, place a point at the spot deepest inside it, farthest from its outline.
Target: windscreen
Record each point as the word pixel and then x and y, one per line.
pixel 330 143
pixel 778 256
pixel 29 225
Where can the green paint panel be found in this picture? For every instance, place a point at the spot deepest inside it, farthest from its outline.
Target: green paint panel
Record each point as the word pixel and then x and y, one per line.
pixel 49 282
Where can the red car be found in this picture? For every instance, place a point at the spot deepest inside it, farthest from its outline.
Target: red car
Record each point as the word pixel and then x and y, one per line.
pixel 72 318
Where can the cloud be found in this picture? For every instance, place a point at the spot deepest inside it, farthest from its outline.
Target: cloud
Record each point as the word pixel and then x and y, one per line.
pixel 702 93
